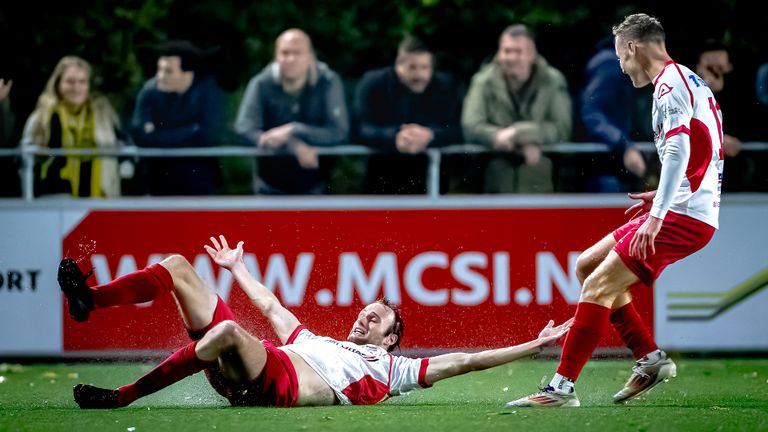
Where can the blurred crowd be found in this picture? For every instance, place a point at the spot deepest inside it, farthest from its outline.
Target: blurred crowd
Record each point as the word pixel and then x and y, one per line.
pixel 517 105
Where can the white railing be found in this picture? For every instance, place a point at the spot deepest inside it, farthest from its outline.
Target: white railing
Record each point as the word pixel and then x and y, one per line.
pixel 28 153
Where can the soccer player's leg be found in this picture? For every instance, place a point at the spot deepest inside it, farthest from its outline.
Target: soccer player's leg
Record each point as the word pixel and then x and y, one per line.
pixel 652 364
pixel 200 310
pixel 624 317
pixel 240 356
pixel 679 237
pixel 198 306
pixel 136 287
pixel 609 280
pixel 176 367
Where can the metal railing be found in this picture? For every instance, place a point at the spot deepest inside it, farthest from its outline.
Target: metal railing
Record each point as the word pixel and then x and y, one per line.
pixel 28 153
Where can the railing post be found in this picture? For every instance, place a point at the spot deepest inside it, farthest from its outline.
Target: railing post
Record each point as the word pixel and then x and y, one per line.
pixel 27 173
pixel 433 173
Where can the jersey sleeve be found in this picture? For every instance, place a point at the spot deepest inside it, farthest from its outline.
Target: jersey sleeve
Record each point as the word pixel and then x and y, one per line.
pixel 676 109
pixel 407 374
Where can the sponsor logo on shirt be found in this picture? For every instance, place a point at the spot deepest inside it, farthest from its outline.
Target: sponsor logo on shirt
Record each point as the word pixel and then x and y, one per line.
pixel 664 88
pixel 671 111
pixel 366 357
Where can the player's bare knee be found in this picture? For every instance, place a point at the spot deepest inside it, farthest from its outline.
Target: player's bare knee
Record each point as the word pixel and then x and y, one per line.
pixel 177 265
pixel 225 334
pixel 184 275
pixel 585 265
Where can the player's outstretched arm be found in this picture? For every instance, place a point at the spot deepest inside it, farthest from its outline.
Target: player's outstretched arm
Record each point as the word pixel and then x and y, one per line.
pixel 449 365
pixel 283 321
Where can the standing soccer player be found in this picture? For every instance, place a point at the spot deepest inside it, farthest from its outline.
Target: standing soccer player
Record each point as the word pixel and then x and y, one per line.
pixel 678 219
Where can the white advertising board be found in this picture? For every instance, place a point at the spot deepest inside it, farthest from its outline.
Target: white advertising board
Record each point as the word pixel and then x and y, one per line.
pixel 717 299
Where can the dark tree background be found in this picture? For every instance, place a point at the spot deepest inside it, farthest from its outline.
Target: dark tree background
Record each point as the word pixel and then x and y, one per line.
pixel 352 36
pixel 117 36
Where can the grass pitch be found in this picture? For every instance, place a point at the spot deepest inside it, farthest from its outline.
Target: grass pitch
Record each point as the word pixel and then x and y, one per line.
pixel 707 395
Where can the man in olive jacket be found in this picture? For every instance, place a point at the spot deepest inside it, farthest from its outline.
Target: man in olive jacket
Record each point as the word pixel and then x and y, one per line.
pixel 517 105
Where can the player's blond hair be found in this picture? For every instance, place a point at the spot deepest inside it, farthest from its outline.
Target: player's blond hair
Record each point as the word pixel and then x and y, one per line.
pixel 640 27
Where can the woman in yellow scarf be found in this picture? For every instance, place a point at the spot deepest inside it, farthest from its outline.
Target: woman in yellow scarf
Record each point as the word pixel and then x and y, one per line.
pixel 68 116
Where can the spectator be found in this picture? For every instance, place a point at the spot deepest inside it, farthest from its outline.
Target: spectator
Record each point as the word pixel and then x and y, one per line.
pixel 179 107
pixel 6 116
pixel 70 116
pixel 9 177
pixel 517 104
pixel 611 111
pixel 292 106
pixel 403 109
pixel 762 84
pixel 712 66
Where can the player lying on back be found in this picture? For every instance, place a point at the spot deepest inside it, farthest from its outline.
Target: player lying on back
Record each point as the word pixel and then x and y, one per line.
pixel 306 369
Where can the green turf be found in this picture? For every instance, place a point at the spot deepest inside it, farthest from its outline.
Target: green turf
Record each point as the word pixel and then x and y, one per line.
pixel 707 395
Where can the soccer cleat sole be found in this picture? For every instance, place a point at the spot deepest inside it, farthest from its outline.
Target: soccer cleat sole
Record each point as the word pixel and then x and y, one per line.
pixel 68 272
pixel 572 403
pixel 90 397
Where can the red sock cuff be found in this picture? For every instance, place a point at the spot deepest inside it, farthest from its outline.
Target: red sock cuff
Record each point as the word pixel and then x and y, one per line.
pixel 591 318
pixel 162 276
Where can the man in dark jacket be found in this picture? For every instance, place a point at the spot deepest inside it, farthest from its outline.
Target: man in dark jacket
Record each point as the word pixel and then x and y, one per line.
pixel 402 110
pixel 179 107
pixel 613 113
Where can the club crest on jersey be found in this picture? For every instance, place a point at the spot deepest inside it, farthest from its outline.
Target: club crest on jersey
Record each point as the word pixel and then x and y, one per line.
pixel 664 88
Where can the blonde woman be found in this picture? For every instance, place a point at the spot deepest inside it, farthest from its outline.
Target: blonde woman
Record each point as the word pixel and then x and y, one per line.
pixel 69 116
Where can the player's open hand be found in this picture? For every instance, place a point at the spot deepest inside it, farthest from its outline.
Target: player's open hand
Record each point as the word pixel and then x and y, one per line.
pixel 223 255
pixel 644 206
pixel 644 238
pixel 550 334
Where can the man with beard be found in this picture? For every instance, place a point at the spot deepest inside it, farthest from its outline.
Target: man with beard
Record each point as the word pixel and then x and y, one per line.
pixel 402 110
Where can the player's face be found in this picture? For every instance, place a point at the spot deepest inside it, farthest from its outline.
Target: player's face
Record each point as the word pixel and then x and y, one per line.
pixel 516 56
pixel 293 54
pixel 626 51
pixel 415 71
pixel 74 86
pixel 373 325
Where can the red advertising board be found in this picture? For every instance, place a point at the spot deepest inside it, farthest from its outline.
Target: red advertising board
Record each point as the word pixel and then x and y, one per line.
pixel 465 278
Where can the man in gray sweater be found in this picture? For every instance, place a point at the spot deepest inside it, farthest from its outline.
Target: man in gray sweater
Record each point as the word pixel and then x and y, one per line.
pixel 292 106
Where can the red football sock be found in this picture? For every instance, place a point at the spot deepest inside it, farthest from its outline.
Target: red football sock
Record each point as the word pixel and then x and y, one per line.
pixel 137 287
pixel 178 366
pixel 585 333
pixel 633 330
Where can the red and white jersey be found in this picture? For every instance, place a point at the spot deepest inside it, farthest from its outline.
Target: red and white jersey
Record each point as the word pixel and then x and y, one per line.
pixel 358 374
pixel 688 133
